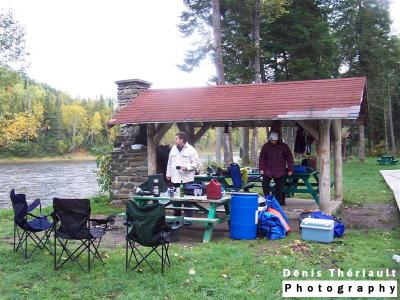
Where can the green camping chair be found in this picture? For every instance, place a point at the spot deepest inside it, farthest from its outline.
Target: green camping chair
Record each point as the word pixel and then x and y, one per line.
pixel 146 226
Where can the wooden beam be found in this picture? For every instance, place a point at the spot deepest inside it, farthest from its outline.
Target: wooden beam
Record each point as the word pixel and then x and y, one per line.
pixel 200 133
pixel 324 164
pixel 181 127
pixel 151 150
pixel 310 128
pixel 337 150
pixel 190 133
pixel 161 131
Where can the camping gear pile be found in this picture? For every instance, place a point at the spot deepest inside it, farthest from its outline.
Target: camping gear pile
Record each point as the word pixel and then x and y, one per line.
pixel 273 223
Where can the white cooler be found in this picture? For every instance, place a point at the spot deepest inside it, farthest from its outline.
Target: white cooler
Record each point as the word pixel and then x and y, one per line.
pixel 317 230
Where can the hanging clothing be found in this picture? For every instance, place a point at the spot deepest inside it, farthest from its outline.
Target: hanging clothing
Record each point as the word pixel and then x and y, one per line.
pixel 309 140
pixel 300 142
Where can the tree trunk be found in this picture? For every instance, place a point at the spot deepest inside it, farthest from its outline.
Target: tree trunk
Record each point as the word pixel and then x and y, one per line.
pixel 390 116
pixel 218 143
pixel 254 147
pixel 361 150
pixel 257 57
pixel 385 129
pixel 228 153
pixel 219 65
pixel 257 73
pixel 245 153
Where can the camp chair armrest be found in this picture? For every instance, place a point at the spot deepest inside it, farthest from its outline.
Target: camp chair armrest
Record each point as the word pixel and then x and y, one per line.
pixel 34 204
pixel 109 220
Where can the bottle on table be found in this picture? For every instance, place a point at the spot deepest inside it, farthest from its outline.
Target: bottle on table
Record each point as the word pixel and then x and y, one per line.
pixel 156 189
pixel 181 190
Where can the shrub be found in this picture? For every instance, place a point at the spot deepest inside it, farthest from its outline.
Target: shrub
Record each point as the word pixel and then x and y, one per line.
pixel 103 161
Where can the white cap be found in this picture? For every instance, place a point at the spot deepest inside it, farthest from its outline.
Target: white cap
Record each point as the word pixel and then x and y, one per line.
pixel 273 136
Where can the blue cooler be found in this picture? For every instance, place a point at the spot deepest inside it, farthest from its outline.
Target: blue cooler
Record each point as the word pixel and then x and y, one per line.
pixel 243 224
pixel 318 230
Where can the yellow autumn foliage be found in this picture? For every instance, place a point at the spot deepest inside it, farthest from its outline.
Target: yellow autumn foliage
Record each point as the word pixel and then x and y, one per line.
pixel 23 126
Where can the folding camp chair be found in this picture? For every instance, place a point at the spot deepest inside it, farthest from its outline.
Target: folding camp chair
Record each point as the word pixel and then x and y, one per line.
pixel 29 226
pixel 145 226
pixel 73 223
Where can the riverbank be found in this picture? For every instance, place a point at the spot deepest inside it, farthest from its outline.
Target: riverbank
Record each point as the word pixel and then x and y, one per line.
pixel 81 156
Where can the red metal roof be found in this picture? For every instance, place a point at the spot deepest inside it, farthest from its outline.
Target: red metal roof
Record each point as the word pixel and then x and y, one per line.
pixel 294 100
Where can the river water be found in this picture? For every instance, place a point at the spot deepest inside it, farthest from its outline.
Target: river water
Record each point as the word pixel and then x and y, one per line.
pixel 46 180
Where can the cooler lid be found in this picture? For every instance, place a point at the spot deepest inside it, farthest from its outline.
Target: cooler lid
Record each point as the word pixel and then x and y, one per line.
pixel 317 223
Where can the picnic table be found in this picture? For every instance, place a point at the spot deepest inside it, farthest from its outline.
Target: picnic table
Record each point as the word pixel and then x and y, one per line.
pixel 298 183
pixel 302 183
pixel 387 160
pixel 201 204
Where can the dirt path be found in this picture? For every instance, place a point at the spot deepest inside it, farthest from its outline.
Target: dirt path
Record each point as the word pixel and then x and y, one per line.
pixel 378 216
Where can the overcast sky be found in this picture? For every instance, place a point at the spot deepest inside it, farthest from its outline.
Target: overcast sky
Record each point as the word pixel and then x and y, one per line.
pixel 82 47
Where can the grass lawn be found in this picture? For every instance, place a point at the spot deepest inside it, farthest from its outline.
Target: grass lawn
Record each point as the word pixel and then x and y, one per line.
pixel 223 269
pixel 362 183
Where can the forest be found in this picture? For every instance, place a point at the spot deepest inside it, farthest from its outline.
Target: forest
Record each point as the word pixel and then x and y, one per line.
pixel 291 40
pixel 285 40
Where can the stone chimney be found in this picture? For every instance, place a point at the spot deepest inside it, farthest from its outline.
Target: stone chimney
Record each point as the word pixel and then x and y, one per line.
pixel 128 90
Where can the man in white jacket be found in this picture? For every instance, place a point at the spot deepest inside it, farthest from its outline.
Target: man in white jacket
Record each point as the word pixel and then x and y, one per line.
pixel 182 164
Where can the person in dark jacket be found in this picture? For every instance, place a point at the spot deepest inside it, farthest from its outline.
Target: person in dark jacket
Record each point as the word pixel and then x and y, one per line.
pixel 276 160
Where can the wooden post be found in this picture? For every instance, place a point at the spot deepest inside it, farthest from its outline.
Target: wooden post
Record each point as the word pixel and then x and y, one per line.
pixel 337 150
pixel 151 150
pixel 324 165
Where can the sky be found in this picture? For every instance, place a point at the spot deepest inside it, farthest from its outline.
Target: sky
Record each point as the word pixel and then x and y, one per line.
pixel 83 47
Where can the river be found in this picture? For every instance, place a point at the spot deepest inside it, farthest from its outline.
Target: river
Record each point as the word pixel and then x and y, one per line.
pixel 46 180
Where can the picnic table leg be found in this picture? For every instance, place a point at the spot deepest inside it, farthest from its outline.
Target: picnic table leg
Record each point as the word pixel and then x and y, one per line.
pixel 228 214
pixel 311 189
pixel 212 213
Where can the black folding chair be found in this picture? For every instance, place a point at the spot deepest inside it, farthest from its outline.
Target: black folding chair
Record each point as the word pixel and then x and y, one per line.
pixel 29 226
pixel 73 223
pixel 146 226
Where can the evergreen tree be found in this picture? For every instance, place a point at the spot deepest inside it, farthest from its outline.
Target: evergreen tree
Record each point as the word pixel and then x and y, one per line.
pixel 300 44
pixel 362 28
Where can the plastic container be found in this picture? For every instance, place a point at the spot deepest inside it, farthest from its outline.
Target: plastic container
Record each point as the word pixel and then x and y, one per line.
pixel 244 216
pixel 318 230
pixel 213 190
